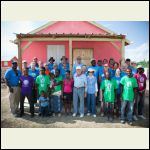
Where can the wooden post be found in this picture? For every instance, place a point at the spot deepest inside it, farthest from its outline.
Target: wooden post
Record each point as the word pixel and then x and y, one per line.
pixel 70 54
pixel 19 56
pixel 123 50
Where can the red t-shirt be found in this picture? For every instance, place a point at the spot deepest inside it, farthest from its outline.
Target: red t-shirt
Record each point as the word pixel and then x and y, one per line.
pixel 141 79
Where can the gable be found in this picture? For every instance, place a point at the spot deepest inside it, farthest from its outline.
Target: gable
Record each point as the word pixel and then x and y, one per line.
pixel 67 27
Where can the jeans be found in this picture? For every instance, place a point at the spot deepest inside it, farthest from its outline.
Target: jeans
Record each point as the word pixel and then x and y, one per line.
pixel 31 102
pixel 139 103
pixel 44 111
pixel 91 103
pixel 56 104
pixel 109 109
pixel 78 92
pixel 130 110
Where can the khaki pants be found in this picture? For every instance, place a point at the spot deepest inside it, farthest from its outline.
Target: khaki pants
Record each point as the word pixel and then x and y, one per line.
pixel 14 99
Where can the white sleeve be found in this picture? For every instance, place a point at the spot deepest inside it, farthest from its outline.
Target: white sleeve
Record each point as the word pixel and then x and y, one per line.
pixel 96 87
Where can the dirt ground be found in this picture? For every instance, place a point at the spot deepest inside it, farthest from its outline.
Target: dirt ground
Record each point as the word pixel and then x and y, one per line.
pixel 9 121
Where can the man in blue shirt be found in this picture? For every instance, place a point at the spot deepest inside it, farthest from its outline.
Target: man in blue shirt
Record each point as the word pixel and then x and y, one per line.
pixel 12 77
pixel 94 67
pixel 78 63
pixel 79 90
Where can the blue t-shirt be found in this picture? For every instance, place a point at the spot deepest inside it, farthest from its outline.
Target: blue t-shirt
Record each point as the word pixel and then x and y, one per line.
pixel 43 101
pixel 11 77
pixel 118 83
pixel 50 66
pixel 33 73
pixel 91 81
pixel 63 70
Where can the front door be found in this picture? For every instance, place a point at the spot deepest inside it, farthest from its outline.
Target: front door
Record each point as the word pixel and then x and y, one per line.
pixel 85 54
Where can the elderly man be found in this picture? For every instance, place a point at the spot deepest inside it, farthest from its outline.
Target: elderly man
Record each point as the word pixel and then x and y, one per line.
pixel 12 76
pixel 79 90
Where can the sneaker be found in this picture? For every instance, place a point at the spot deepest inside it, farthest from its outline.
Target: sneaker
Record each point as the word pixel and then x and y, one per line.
pixel 82 115
pixel 59 114
pixel 130 123
pixel 32 115
pixel 94 116
pixel 111 119
pixel 88 114
pixel 141 116
pixel 102 114
pixel 122 121
pixel 135 118
pixel 74 114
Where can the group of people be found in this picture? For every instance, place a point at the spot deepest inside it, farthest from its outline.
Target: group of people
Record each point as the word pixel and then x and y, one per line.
pixel 119 87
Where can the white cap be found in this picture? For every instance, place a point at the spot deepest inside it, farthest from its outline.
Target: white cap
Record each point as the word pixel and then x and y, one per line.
pixel 91 70
pixel 78 67
pixel 139 66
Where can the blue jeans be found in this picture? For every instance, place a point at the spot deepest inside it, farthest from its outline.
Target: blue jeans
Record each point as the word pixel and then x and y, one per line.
pixel 139 104
pixel 130 110
pixel 78 92
pixel 56 104
pixel 91 103
pixel 44 111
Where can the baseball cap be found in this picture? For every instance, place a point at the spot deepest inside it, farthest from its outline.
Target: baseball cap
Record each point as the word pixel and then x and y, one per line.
pixel 105 65
pixel 78 67
pixel 91 70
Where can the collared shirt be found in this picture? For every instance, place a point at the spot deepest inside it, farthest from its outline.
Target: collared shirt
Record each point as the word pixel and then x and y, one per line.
pixel 80 81
pixel 91 85
pixel 12 78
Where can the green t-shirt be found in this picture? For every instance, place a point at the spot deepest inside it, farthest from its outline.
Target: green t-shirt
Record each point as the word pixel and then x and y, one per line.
pixel 109 87
pixel 43 81
pixel 58 87
pixel 128 88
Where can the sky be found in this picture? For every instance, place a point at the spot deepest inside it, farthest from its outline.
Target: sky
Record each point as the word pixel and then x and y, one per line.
pixel 136 31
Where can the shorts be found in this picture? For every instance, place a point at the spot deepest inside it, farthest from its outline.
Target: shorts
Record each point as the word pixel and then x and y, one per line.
pixel 67 97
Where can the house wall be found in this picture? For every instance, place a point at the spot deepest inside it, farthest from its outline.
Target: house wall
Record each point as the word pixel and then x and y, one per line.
pixel 101 49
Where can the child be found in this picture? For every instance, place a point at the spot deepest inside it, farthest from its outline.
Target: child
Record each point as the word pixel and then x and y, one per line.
pixel 108 92
pixel 54 68
pixel 101 78
pixel 56 94
pixel 91 93
pixel 129 85
pixel 67 92
pixel 47 71
pixel 117 77
pixel 43 101
pixel 27 83
pixel 141 79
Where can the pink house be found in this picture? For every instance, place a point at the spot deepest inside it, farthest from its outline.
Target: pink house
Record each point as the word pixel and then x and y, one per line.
pixel 71 39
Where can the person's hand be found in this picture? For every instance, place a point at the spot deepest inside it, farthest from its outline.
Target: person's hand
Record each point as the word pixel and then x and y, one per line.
pixel 95 94
pixel 11 90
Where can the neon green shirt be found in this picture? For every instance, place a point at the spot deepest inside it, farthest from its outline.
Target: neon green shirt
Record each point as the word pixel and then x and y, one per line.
pixel 43 81
pixel 128 88
pixel 109 87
